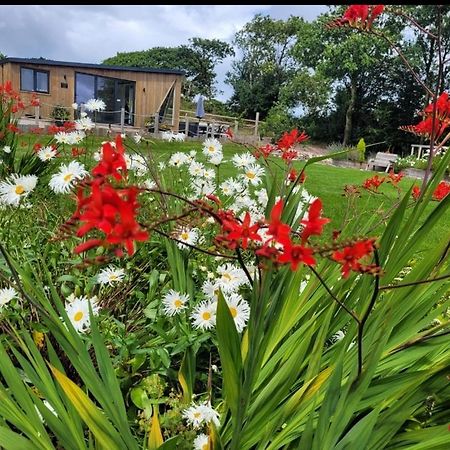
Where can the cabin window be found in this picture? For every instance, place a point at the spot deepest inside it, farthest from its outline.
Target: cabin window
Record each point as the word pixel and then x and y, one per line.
pixel 33 80
pixel 167 107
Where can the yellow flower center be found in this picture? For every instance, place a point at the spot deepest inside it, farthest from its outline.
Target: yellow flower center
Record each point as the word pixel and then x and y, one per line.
pixel 205 446
pixel 78 316
pixel 185 236
pixel 178 303
pixel 227 276
pixel 197 415
pixel 19 189
pixel 250 175
pixel 68 177
pixel 206 315
pixel 113 277
pixel 211 149
pixel 233 311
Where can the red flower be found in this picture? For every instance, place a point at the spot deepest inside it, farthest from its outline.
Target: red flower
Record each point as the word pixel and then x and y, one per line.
pixel 314 223
pixel 350 255
pixel 292 175
pixel 264 151
pixel 288 140
pixel 229 133
pixel 279 230
pixel 359 16
pixel 13 128
pixel 416 192
pixel 395 178
pixel 296 254
pixel 244 232
pixel 112 160
pixel 373 182
pixel 35 100
pixel 78 151
pixel 442 190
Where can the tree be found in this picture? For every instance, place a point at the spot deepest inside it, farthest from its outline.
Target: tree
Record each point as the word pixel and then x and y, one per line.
pixel 265 65
pixel 198 60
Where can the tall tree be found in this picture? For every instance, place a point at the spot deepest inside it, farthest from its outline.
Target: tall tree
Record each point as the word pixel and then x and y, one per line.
pixel 198 59
pixel 265 65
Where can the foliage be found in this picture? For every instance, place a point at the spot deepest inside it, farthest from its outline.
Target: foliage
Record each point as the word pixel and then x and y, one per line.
pixel 60 113
pixel 198 59
pixel 265 65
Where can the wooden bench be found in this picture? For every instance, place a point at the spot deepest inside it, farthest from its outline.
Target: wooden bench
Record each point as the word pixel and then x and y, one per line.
pixel 382 160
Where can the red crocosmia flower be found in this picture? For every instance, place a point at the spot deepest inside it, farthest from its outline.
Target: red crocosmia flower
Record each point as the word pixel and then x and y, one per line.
pixel 292 175
pixel 349 257
pixel 37 146
pixel 112 160
pixel 268 251
pixel 214 199
pixel 264 151
pixel 289 155
pixel 373 182
pixel 11 127
pixel 313 225
pixel 296 254
pixel 229 133
pixel 279 230
pixel 78 151
pixel 395 178
pixel 85 246
pixel 243 232
pixel 416 192
pixel 442 190
pixel 359 16
pixel 288 140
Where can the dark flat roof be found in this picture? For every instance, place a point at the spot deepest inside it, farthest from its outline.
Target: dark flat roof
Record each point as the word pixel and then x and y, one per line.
pixel 50 62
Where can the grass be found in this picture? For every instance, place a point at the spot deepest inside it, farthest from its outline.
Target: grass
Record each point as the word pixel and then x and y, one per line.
pixel 324 181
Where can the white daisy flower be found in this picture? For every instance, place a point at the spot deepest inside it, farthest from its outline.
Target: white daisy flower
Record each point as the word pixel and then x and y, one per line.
pixel 65 179
pixel 253 174
pixel 137 137
pixel 178 159
pixel 95 104
pixel 6 295
pixel 16 188
pixel 262 197
pixel 244 160
pixel 75 106
pixel 204 315
pixel 188 235
pixel 208 173
pixel 211 289
pixel 174 302
pixel 162 165
pixel 239 309
pixel 216 159
pixel 78 311
pixel 202 187
pixel 196 169
pixel 150 184
pixel 136 163
pixel 231 277
pixel 84 123
pixel 46 153
pixel 211 147
pixel 201 442
pixel 227 187
pixel 7 149
pixel 110 275
pixel 197 414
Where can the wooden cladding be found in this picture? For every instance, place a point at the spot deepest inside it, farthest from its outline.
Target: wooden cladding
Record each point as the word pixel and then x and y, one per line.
pixel 151 88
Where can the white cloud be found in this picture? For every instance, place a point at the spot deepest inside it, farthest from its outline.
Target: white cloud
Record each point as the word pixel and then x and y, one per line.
pixel 91 34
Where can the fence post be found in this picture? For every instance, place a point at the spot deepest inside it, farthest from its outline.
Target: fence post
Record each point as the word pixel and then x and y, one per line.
pixel 36 116
pixel 236 127
pixel 156 123
pixel 186 125
pixel 122 119
pixel 256 126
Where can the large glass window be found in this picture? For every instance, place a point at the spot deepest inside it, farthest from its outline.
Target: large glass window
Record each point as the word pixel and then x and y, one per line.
pixel 33 80
pixel 116 93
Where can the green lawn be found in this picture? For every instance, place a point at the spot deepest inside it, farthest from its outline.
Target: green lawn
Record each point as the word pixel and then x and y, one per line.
pixel 324 181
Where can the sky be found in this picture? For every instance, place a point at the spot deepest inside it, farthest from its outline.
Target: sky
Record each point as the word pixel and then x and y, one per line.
pixel 90 34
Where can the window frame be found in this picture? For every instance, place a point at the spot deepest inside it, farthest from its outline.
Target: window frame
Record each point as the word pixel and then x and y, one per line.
pixel 35 72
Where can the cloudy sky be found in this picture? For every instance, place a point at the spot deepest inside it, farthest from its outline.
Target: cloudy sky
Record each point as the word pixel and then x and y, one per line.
pixel 93 33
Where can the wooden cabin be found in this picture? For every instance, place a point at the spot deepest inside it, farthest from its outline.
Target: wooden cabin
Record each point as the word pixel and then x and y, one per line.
pixel 141 92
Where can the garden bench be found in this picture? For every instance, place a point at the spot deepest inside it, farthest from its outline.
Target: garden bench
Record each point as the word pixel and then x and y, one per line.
pixel 382 160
